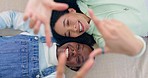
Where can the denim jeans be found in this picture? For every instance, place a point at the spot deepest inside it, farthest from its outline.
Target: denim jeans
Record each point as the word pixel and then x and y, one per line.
pixel 19 57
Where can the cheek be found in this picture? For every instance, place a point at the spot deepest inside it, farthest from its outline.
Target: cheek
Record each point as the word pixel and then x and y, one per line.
pixel 86 53
pixel 59 28
pixel 71 62
pixel 87 49
pixel 76 34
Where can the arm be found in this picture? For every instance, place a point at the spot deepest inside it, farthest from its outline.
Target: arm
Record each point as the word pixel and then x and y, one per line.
pixel 14 20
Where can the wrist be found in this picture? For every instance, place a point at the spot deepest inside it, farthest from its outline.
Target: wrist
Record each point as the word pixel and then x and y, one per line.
pixel 142 49
pixel 135 46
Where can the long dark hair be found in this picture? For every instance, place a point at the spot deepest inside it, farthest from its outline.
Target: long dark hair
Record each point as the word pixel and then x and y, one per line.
pixel 84 38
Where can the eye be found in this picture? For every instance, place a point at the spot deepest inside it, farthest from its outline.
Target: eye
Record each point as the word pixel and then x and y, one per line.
pixel 72 50
pixel 78 60
pixel 78 47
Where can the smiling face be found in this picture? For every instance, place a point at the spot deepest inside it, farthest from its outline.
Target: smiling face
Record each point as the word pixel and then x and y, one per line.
pixel 77 53
pixel 72 24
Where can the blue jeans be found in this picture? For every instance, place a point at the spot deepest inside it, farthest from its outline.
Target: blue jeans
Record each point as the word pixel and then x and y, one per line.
pixel 19 57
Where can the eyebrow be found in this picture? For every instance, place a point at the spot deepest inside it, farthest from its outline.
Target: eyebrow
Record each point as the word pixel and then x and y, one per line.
pixel 64 26
pixel 64 22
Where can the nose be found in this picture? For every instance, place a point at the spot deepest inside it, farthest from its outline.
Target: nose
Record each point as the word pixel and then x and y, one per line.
pixel 74 53
pixel 73 28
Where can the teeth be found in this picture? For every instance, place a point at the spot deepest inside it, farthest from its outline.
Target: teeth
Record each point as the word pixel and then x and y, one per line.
pixel 67 52
pixel 80 27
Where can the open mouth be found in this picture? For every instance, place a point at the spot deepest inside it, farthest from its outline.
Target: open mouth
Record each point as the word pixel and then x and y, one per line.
pixel 81 27
pixel 66 52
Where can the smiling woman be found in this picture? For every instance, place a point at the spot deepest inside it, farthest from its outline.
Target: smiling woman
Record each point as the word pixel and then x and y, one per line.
pixel 83 38
pixel 72 24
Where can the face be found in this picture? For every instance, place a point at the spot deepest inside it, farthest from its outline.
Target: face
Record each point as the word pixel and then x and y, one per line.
pixel 77 53
pixel 72 24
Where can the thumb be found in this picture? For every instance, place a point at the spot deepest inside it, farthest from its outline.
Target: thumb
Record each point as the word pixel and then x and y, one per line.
pixel 60 67
pixel 95 52
pixel 94 18
pixel 85 68
pixel 98 23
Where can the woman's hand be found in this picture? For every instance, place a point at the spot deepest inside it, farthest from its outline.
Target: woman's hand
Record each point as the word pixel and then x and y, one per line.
pixel 118 38
pixel 39 11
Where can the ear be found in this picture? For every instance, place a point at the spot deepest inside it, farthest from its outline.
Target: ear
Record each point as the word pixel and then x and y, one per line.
pixel 72 10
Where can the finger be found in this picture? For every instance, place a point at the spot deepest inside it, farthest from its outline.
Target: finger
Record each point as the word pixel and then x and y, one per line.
pixel 48 35
pixel 27 15
pixel 58 6
pixel 116 21
pixel 61 64
pixel 45 20
pixel 95 52
pixel 86 67
pixel 94 18
pixel 33 21
pixel 99 24
pixel 37 27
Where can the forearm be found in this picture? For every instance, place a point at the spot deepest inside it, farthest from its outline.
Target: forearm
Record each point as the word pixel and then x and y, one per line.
pixel 14 20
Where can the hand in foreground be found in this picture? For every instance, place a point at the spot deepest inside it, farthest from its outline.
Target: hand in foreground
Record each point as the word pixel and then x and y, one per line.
pixel 39 11
pixel 80 74
pixel 118 38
